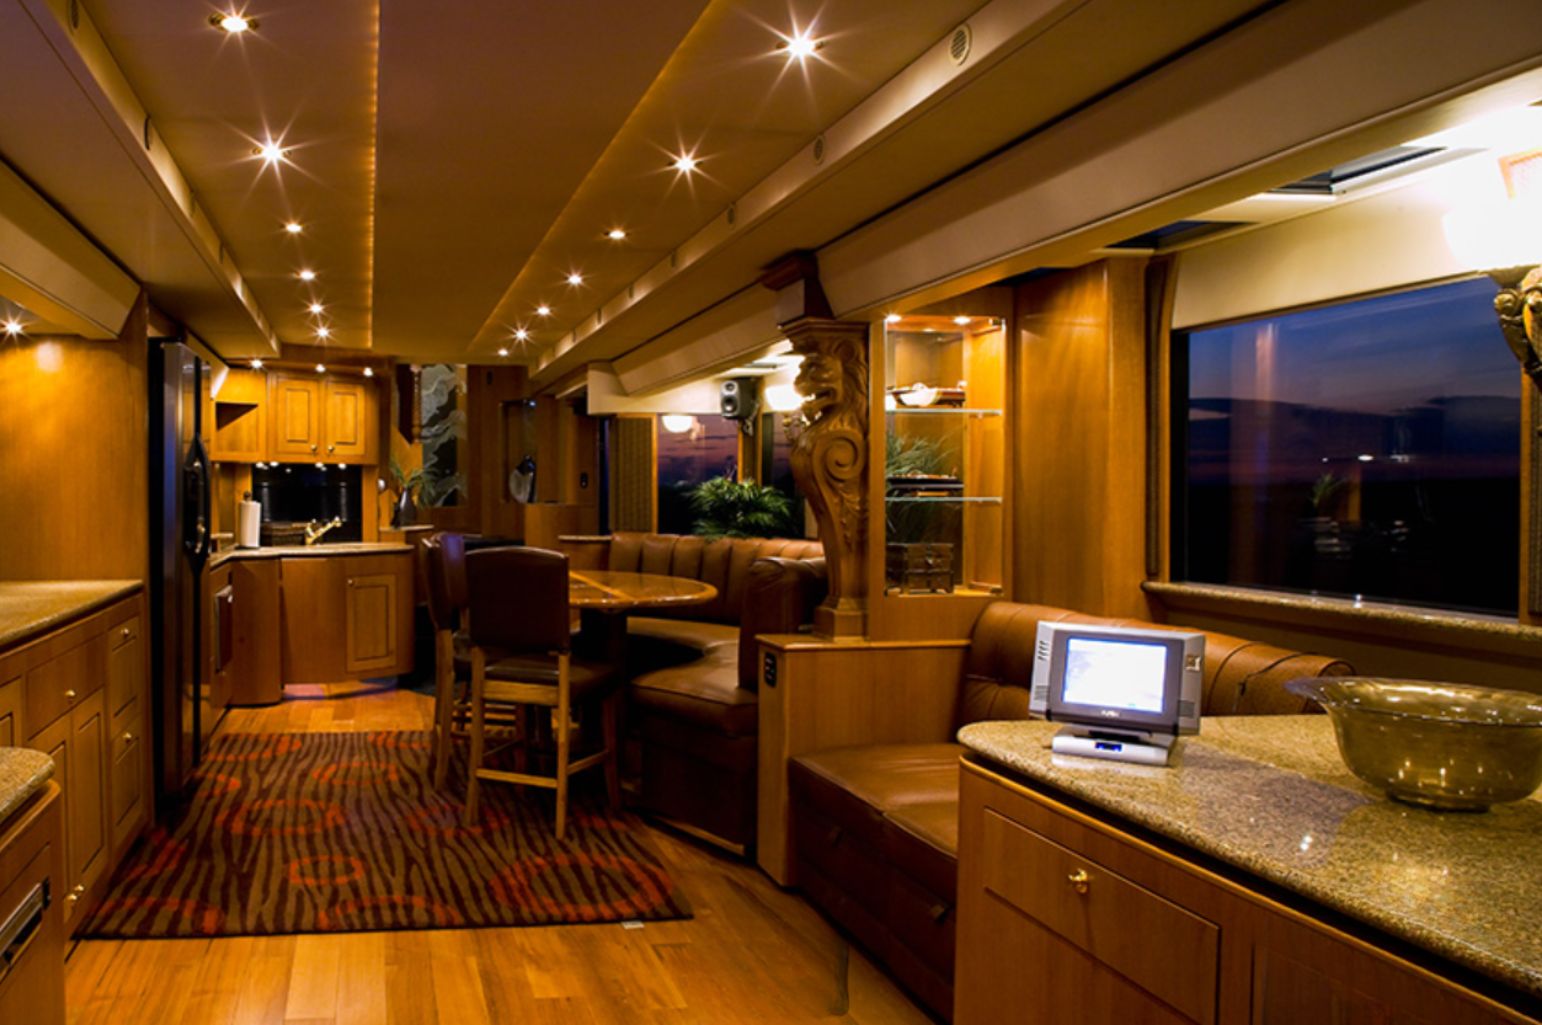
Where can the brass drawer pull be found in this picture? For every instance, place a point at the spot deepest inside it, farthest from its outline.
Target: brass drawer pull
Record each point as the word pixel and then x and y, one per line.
pixel 1080 881
pixel 69 695
pixel 126 633
pixel 128 738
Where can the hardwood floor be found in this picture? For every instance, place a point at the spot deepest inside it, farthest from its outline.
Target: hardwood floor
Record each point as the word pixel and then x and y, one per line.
pixel 752 954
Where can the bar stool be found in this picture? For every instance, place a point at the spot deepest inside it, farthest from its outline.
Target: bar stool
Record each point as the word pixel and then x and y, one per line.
pixel 521 654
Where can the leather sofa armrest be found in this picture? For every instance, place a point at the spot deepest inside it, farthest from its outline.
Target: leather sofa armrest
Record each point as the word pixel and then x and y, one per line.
pixel 779 598
pixel 585 551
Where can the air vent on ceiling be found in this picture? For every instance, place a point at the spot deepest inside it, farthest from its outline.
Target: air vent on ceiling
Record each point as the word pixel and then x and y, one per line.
pixel 1174 234
pixel 959 43
pixel 1376 166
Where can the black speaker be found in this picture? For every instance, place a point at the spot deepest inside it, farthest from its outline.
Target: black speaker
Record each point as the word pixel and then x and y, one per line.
pixel 739 398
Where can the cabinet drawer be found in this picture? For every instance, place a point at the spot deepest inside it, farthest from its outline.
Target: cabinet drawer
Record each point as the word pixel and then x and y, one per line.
pixel 123 633
pixel 55 686
pixel 127 784
pixel 1162 948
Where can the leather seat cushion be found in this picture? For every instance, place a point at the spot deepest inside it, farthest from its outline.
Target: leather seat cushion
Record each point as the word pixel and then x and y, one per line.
pixel 705 692
pixel 921 841
pixel 655 643
pixel 857 786
pixel 586 680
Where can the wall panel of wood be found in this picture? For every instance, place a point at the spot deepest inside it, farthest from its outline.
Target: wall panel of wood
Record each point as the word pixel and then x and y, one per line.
pixel 74 457
pixel 1078 440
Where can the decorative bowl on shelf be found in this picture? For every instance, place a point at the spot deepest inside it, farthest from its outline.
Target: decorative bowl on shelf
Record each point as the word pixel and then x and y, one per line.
pixel 1446 746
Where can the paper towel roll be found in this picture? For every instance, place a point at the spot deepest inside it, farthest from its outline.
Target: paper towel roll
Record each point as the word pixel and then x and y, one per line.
pixel 249 524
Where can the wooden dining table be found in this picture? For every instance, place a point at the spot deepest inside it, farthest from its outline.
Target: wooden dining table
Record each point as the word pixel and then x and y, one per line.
pixel 604 598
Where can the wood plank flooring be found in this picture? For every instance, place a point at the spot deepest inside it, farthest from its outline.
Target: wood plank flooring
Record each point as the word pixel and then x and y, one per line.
pixel 752 954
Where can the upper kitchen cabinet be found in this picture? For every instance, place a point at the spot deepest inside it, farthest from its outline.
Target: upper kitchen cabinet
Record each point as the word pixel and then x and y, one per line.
pixel 240 418
pixel 321 419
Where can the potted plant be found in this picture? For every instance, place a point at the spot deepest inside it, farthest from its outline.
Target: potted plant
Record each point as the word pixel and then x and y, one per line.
pixel 406 483
pixel 725 507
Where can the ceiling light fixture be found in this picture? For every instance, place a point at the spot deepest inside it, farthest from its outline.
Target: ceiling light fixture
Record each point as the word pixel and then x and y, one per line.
pixel 270 152
pixel 13 328
pixel 799 46
pixel 961 320
pixel 543 310
pixel 256 364
pixel 503 352
pixel 307 275
pixel 321 368
pixel 369 371
pixel 323 332
pixel 294 227
pixel 893 318
pixel 232 22
pixel 575 279
pixel 685 163
pixel 521 335
pixel 316 308
pixel 616 234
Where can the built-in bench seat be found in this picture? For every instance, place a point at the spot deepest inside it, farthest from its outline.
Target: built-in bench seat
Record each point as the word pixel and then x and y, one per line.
pixel 875 828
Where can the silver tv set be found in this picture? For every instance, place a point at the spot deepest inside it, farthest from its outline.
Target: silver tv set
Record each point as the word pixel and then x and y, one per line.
pixel 1122 681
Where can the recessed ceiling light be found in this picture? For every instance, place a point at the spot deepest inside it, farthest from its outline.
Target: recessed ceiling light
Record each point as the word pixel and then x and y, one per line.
pixel 270 152
pixel 13 328
pixel 799 45
pixel 256 364
pixel 893 318
pixel 321 368
pixel 369 371
pixel 316 308
pixel 575 279
pixel 961 320
pixel 685 163
pixel 233 22
pixel 323 332
pixel 521 335
pixel 503 352
pixel 307 275
pixel 616 234
pixel 543 310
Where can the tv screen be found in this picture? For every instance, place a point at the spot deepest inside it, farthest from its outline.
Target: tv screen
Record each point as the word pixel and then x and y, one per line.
pixel 1115 674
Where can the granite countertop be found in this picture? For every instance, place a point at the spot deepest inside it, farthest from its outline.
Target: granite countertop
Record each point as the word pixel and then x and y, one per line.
pixel 309 551
pixel 1270 795
pixel 32 607
pixel 22 773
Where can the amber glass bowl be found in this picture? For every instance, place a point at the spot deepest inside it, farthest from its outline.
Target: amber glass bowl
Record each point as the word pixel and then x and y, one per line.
pixel 1441 745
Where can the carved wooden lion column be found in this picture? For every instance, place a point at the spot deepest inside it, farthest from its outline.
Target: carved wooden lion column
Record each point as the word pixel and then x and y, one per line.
pixel 829 459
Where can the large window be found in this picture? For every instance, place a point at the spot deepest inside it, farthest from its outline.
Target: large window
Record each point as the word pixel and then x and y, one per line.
pixel 1366 449
pixel 692 450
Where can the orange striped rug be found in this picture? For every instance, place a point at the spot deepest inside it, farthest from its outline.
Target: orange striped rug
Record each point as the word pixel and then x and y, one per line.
pixel 338 832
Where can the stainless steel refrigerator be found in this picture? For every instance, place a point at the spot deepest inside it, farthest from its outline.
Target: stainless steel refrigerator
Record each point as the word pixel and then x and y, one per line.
pixel 181 486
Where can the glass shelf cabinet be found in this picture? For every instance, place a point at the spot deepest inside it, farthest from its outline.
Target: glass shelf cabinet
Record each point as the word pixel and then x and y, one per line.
pixel 943 476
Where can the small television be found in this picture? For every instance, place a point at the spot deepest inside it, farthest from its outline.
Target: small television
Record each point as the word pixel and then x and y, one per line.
pixel 1123 692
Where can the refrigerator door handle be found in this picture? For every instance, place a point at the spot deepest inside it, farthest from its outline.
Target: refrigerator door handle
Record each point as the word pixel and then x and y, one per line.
pixel 196 538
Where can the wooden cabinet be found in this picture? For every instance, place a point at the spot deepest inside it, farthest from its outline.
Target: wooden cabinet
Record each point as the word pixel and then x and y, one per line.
pixel 31 867
pixel 80 695
pixel 240 419
pixel 323 419
pixel 371 627
pixel 1067 919
pixel 295 417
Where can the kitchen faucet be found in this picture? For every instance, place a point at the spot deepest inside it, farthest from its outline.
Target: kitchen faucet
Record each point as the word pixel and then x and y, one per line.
pixel 314 531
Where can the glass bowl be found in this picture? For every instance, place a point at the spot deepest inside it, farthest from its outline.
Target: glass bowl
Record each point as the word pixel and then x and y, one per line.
pixel 1441 745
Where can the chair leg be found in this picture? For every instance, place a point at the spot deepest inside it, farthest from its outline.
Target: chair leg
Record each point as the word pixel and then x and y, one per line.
pixel 610 721
pixel 564 741
pixel 444 707
pixel 478 732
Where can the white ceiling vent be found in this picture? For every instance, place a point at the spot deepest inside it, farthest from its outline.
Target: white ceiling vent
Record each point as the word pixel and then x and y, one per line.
pixel 959 43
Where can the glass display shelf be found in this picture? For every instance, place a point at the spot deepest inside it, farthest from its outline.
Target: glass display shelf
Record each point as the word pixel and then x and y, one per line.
pixel 954 499
pixel 939 411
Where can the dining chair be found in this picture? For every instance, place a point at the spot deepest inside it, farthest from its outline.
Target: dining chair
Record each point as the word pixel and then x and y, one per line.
pixel 521 653
pixel 446 578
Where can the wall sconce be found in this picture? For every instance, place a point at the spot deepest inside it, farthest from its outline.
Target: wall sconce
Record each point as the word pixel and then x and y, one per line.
pixel 677 423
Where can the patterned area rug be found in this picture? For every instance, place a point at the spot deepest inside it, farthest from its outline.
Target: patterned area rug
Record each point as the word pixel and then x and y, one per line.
pixel 338 832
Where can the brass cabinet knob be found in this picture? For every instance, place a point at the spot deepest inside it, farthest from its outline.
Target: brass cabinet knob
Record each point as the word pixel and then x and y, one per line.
pixel 313 448
pixel 125 633
pixel 69 695
pixel 331 448
pixel 72 898
pixel 1080 881
pixel 128 738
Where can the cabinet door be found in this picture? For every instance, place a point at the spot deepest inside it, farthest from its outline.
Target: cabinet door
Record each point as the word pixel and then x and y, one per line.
pixel 296 419
pixel 10 703
pixel 87 756
pixel 125 665
pixel 371 622
pixel 347 422
pixel 130 773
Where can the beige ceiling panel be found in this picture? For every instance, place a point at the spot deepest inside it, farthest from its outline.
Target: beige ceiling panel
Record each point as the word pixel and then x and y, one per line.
pixel 490 116
pixel 718 337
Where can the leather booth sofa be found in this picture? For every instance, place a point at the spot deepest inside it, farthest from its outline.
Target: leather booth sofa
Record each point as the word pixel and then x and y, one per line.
pixel 692 697
pixel 875 829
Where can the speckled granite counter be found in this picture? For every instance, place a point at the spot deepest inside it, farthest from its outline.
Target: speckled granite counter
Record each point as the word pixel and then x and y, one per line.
pixel 32 607
pixel 22 773
pixel 1269 795
pixel 309 551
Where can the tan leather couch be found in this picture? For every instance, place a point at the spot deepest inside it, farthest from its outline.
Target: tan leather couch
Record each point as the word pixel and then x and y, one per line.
pixel 692 696
pixel 875 829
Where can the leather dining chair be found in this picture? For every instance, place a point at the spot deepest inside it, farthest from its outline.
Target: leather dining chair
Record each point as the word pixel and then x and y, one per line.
pixel 521 654
pixel 446 577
